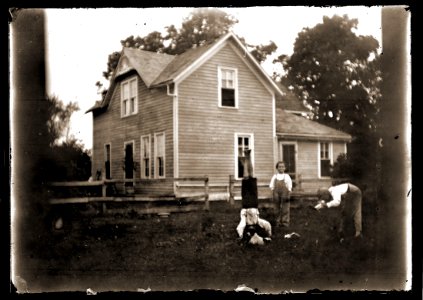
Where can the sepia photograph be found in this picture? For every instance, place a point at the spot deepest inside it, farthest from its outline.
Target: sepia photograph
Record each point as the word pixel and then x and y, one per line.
pixel 258 150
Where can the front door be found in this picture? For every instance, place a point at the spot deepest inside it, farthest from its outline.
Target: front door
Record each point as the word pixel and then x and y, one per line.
pixel 129 163
pixel 288 157
pixel 107 158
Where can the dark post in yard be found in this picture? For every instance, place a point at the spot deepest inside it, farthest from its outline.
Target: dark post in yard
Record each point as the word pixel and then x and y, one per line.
pixel 206 193
pixel 249 192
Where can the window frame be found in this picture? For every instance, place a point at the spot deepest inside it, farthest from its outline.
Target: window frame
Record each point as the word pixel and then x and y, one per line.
pixel 123 106
pixel 250 136
pixel 156 166
pixel 222 69
pixel 142 158
pixel 320 158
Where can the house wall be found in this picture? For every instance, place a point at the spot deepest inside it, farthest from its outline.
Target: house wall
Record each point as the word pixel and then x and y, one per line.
pixel 206 131
pixel 154 116
pixel 308 162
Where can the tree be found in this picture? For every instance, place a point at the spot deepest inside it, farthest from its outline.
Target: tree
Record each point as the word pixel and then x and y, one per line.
pixel 337 73
pixel 202 26
pixel 63 156
pixel 260 52
pixel 58 119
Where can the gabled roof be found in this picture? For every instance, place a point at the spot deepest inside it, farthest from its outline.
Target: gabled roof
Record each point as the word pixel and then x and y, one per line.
pixel 289 125
pixel 160 69
pixel 148 64
pixel 180 64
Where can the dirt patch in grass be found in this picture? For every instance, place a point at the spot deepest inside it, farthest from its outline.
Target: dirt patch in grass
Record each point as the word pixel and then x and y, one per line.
pixel 199 250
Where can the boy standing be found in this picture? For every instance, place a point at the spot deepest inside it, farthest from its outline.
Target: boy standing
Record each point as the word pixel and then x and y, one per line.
pixel 281 185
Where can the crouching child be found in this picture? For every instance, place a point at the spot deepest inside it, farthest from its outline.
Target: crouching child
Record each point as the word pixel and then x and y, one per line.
pixel 252 229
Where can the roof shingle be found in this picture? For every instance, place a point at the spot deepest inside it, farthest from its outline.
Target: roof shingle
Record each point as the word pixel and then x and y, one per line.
pixel 291 125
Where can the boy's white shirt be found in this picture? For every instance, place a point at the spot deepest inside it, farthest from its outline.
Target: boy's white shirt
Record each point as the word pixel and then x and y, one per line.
pixel 281 176
pixel 337 191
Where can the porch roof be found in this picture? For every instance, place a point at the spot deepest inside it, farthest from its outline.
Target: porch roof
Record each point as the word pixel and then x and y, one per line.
pixel 289 125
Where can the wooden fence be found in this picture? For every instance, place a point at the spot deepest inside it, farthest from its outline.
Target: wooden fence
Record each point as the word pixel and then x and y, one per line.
pixel 104 184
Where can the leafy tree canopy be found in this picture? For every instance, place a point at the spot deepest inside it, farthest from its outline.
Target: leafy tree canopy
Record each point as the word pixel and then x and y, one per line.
pixel 56 116
pixel 336 73
pixel 62 156
pixel 202 26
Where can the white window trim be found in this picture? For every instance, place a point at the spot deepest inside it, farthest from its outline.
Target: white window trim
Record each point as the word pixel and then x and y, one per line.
pixel 142 175
pixel 251 137
pixel 156 173
pixel 219 86
pixel 132 78
pixel 330 144
pixel 105 157
pixel 133 154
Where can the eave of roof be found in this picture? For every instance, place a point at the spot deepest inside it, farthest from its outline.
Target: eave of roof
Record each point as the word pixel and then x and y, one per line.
pixel 96 106
pixel 293 126
pixel 157 69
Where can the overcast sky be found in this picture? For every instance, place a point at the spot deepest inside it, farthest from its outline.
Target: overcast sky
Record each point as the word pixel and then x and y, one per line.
pixel 80 40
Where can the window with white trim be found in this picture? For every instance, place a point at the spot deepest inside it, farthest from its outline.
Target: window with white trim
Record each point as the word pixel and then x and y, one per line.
pixel 159 155
pixel 325 159
pixel 129 97
pixel 243 142
pixel 145 156
pixel 228 87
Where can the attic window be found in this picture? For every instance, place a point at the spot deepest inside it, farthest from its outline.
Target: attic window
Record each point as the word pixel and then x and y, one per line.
pixel 129 97
pixel 228 85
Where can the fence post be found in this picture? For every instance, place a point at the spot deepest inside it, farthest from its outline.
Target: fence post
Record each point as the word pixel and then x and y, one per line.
pixel 104 186
pixel 206 194
pixel 231 190
pixel 103 192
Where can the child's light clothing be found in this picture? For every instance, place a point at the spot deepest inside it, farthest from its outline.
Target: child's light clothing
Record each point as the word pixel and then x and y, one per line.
pixel 281 185
pixel 281 176
pixel 250 216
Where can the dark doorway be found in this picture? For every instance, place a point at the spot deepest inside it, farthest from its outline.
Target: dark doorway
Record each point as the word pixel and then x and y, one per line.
pixel 129 163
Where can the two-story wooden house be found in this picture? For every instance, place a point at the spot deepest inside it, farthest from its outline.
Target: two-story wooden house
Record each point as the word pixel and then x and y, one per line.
pixel 188 115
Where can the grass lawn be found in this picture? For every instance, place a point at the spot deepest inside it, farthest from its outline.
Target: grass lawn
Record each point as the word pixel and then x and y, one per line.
pixel 199 250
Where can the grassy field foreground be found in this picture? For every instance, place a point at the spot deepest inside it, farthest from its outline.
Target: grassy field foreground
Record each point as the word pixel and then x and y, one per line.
pixel 199 250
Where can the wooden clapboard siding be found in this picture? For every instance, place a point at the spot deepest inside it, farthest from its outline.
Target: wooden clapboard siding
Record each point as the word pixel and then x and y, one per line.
pixel 206 132
pixel 154 116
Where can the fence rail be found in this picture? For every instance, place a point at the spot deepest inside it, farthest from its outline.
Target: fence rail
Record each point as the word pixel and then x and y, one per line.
pixel 105 183
pixel 234 184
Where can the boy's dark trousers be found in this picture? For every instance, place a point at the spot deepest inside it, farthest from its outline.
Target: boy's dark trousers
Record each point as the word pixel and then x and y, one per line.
pixel 249 193
pixel 351 211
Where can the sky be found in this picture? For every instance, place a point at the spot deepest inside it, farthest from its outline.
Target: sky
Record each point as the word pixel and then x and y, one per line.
pixel 80 40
